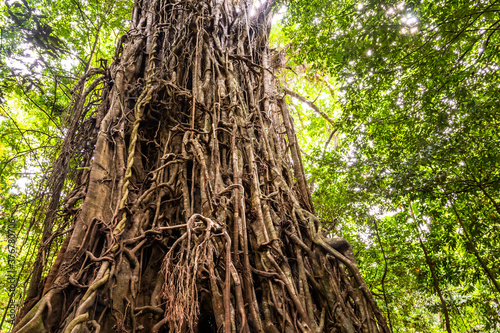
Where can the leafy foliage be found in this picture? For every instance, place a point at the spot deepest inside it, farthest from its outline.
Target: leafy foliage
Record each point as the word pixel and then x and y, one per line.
pixel 418 88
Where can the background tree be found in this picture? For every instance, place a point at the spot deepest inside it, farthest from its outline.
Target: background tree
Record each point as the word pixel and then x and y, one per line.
pixel 188 206
pixel 44 47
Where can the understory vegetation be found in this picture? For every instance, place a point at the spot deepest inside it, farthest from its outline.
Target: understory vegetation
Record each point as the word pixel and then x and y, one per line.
pixel 395 107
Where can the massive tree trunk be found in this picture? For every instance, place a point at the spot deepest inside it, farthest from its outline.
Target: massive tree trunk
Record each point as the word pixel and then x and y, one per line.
pixel 191 210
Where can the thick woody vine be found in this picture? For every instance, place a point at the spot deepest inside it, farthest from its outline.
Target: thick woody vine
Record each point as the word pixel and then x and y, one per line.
pixel 193 212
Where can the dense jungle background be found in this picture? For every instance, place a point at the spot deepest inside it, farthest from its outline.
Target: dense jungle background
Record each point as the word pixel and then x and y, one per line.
pixel 396 108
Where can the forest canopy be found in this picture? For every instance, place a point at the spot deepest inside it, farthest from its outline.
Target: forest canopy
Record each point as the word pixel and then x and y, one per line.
pixel 395 104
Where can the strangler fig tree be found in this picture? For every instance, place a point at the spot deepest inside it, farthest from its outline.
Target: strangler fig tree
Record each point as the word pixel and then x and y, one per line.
pixel 190 211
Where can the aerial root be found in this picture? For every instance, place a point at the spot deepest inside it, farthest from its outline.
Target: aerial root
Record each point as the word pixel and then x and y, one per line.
pixel 190 256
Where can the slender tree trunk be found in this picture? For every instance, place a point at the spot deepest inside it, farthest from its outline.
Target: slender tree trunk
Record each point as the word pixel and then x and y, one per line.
pixel 473 246
pixel 435 279
pixel 384 275
pixel 195 212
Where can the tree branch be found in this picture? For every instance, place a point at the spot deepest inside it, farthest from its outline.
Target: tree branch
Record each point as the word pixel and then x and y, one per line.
pixel 312 106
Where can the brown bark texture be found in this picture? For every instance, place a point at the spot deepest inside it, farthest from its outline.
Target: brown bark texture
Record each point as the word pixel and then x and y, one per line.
pixel 190 210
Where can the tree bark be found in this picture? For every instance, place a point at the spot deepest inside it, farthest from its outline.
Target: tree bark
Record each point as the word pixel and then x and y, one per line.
pixel 196 215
